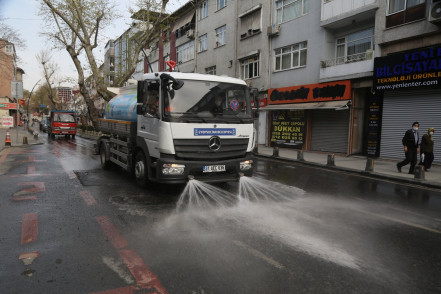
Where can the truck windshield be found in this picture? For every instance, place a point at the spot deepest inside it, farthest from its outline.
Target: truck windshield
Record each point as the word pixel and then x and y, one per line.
pixel 208 101
pixel 64 117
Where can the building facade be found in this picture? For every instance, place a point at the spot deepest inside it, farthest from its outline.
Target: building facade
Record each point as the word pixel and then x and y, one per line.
pixel 407 74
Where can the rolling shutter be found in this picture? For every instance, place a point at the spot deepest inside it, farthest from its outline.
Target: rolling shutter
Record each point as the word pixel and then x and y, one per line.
pixel 400 110
pixel 330 130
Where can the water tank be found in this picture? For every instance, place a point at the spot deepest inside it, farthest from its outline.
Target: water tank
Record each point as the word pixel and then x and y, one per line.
pixel 122 107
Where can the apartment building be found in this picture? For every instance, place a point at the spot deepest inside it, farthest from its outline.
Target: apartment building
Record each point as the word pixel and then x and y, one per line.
pixel 109 63
pixel 407 74
pixel 9 72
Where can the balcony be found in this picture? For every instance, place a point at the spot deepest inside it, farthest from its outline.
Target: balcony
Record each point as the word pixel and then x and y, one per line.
pixel 341 13
pixel 348 67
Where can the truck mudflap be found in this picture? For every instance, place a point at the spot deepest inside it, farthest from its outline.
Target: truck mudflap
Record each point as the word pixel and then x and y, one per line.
pixel 206 171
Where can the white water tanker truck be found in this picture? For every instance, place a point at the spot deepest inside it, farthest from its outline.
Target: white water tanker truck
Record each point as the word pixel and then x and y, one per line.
pixel 175 126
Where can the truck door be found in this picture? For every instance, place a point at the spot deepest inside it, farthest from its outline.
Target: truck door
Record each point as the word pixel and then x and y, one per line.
pixel 148 115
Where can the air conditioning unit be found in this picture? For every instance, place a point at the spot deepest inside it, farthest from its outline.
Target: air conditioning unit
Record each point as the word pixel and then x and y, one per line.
pixel 273 30
pixel 190 34
pixel 435 12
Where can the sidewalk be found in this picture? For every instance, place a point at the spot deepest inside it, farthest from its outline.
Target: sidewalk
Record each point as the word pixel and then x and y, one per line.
pixel 383 168
pixel 21 132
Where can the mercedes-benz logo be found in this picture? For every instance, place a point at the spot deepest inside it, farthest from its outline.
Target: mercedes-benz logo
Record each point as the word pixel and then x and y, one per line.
pixel 214 143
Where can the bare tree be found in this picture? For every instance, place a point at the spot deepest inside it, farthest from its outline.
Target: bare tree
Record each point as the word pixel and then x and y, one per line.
pixel 49 70
pixel 64 38
pixel 85 19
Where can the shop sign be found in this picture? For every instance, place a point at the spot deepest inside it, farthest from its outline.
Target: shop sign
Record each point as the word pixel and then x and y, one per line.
pixel 288 128
pixel 262 103
pixel 7 121
pixel 340 90
pixel 8 105
pixel 410 69
pixel 374 126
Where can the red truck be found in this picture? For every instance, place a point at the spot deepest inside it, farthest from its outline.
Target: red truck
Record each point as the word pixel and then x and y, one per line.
pixel 62 122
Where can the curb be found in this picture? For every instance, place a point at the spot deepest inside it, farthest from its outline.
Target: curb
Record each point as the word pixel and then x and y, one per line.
pixel 354 171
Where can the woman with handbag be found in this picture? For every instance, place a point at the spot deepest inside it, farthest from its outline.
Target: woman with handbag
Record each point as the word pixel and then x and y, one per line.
pixel 426 150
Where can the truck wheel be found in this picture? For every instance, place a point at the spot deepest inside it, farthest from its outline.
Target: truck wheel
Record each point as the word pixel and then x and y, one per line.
pixel 140 169
pixel 73 136
pixel 105 164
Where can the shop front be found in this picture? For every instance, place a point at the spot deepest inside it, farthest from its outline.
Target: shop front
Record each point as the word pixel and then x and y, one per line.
pixel 409 85
pixel 312 117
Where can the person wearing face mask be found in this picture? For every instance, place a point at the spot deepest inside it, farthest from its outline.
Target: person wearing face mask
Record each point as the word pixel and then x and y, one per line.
pixel 427 149
pixel 410 142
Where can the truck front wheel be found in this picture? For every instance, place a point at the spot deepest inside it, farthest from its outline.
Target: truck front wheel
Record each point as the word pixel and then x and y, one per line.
pixel 141 174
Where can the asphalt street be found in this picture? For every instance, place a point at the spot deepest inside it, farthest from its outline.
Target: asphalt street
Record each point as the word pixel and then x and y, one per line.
pixel 70 227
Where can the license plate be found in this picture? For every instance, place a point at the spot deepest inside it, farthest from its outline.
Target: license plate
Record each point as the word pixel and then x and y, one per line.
pixel 213 168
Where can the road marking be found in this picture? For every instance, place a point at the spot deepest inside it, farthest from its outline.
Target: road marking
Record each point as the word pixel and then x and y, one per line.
pixel 72 175
pixel 30 175
pixel 140 271
pixel 29 228
pixel 117 240
pixel 88 198
pixel 31 159
pixel 38 187
pixel 144 277
pixel 23 198
pixel 401 221
pixel 259 254
pixel 4 155
pixel 31 170
pixel 28 257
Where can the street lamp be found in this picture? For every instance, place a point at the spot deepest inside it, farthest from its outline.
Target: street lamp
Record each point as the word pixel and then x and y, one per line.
pixel 29 100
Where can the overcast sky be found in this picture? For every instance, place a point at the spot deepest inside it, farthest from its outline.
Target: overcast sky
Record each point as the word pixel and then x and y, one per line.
pixel 22 15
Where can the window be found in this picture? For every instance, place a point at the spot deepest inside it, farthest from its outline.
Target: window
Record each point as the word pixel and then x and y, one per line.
pixel 249 67
pixel 290 9
pixel 250 24
pixel 220 36
pixel 203 43
pixel 154 66
pixel 9 49
pixel 203 10
pixel 404 11
pixel 221 4
pixel 353 47
pixel 211 70
pixel 293 56
pixel 185 52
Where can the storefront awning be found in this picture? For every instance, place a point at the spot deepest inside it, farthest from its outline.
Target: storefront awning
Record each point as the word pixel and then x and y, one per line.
pixel 182 21
pixel 337 105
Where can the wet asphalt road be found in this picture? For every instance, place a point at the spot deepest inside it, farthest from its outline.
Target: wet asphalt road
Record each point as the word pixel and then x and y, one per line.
pixel 69 227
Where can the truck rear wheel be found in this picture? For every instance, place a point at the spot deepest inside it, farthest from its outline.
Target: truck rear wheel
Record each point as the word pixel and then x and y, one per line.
pixel 104 154
pixel 140 170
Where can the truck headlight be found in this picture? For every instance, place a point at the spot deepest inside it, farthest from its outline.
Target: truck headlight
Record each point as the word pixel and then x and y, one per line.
pixel 246 165
pixel 173 169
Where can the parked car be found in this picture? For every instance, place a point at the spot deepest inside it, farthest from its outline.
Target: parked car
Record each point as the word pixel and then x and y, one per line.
pixel 44 124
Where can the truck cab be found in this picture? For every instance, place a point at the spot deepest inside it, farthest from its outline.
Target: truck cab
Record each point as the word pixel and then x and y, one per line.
pixel 187 126
pixel 61 122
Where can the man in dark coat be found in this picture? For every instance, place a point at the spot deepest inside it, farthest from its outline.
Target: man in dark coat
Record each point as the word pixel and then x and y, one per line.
pixel 411 143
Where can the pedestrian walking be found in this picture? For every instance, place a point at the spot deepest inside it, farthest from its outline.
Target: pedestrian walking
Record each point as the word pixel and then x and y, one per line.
pixel 410 142
pixel 427 149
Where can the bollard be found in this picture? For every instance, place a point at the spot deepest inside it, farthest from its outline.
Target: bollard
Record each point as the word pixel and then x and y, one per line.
pixel 419 173
pixel 331 160
pixel 369 165
pixel 300 155
pixel 276 151
pixel 35 135
pixel 25 140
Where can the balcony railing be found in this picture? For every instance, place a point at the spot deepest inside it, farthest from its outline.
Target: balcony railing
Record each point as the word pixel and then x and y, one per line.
pixel 347 59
